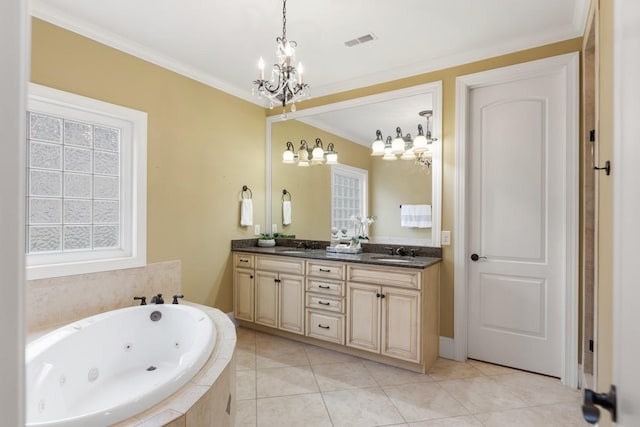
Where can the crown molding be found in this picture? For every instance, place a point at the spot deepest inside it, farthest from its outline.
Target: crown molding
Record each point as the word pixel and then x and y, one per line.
pixel 46 12
pixel 41 10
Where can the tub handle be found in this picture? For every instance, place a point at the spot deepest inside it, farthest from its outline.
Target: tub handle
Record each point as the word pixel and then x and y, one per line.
pixel 143 300
pixel 175 298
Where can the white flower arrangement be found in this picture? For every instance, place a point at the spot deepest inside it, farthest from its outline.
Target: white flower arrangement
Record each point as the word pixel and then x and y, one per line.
pixel 361 226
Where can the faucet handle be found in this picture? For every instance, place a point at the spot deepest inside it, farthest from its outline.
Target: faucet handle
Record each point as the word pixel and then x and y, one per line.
pixel 414 251
pixel 143 300
pixel 390 249
pixel 175 298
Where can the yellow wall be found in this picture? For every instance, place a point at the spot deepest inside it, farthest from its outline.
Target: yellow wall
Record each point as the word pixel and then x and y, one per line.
pixel 310 187
pixel 448 77
pixel 203 145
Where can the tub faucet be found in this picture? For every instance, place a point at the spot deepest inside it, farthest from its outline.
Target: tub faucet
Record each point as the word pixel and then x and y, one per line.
pixel 157 299
pixel 143 300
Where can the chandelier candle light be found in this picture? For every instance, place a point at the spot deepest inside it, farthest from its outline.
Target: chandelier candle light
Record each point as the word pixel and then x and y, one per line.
pixel 285 85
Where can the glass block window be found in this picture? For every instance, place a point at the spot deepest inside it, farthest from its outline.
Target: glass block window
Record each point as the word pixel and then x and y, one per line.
pixel 73 197
pixel 86 185
pixel 349 187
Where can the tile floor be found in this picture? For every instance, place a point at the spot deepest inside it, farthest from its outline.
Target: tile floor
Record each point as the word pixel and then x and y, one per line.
pixel 285 383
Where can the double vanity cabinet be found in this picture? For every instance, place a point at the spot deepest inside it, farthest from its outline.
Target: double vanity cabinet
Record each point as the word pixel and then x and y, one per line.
pixel 383 312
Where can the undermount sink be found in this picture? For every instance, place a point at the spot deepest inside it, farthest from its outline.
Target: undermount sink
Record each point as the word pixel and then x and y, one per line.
pixel 395 260
pixel 292 251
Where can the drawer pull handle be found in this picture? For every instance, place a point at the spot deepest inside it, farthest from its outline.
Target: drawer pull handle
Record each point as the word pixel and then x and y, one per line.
pixel 323 327
pixel 324 303
pixel 325 270
pixel 244 260
pixel 324 287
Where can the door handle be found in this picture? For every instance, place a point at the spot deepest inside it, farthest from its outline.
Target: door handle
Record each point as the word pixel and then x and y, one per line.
pixel 607 401
pixel 476 257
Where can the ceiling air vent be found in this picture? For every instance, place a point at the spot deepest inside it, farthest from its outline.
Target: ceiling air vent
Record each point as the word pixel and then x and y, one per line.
pixel 360 40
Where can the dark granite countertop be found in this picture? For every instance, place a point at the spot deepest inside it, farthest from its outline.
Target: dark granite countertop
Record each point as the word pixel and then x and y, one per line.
pixel 363 258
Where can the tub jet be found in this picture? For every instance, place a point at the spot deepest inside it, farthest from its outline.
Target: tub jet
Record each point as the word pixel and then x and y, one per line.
pixel 155 316
pixel 151 368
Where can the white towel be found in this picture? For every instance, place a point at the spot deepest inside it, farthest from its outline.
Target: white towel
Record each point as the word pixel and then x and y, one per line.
pixel 415 216
pixel 286 212
pixel 246 212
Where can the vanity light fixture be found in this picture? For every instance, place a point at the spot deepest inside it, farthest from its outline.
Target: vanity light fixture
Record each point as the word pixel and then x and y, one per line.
pixel 307 156
pixel 406 147
pixel 285 84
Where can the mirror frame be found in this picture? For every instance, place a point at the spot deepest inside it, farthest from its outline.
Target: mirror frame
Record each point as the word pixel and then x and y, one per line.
pixel 433 88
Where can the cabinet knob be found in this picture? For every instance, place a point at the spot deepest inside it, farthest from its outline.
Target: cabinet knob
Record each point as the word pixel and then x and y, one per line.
pixel 378 295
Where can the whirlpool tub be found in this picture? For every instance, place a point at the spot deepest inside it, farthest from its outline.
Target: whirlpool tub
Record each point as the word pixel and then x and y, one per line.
pixel 105 368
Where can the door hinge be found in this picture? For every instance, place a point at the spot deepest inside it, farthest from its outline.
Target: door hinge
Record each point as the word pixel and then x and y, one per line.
pixel 591 346
pixel 592 135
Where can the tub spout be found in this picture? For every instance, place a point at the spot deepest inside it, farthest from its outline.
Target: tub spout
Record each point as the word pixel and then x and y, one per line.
pixel 157 299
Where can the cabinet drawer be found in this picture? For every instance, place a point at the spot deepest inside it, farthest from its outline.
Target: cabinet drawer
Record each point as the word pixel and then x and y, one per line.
pixel 280 264
pixel 327 287
pixel 388 276
pixel 322 302
pixel 243 260
pixel 325 326
pixel 326 269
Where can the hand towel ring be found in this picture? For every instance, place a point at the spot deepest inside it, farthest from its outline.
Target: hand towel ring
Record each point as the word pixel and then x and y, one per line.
pixel 244 190
pixel 285 193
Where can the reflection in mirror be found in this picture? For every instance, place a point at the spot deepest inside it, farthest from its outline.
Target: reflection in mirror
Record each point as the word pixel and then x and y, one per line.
pixel 351 126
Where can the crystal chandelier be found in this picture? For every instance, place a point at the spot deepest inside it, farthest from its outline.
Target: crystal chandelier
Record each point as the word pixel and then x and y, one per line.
pixel 406 147
pixel 285 85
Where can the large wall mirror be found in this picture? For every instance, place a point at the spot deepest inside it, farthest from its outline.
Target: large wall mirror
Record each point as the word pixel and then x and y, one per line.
pixel 351 127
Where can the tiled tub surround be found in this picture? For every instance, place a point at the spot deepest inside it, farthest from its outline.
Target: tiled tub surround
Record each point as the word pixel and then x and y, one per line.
pixel 208 399
pixel 60 300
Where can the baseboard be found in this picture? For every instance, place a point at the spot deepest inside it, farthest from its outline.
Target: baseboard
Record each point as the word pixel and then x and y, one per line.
pixel 232 318
pixel 446 348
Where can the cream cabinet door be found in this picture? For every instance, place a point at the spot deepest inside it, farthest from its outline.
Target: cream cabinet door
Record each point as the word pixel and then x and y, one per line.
pixel 243 294
pixel 363 312
pixel 291 304
pixel 266 298
pixel 401 324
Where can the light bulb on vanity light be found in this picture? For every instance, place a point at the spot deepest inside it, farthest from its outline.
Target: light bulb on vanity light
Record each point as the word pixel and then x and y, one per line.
pixel 317 155
pixel 288 156
pixel 377 147
pixel 397 145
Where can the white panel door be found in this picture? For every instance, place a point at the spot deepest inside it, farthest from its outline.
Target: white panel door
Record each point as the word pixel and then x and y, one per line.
pixel 517 140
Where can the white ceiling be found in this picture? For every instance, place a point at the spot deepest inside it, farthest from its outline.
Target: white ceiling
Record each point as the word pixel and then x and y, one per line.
pixel 219 43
